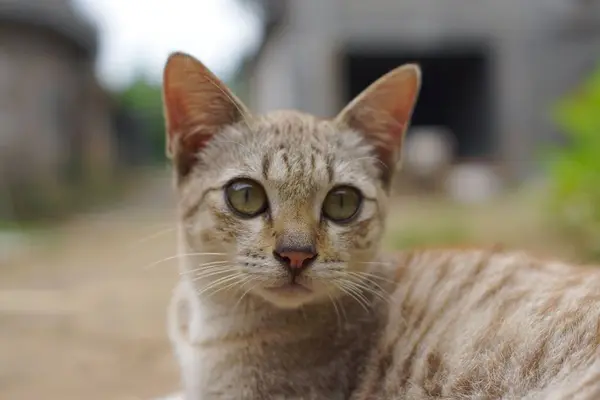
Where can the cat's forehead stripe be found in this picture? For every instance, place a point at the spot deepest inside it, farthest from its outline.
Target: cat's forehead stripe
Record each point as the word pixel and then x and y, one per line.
pixel 266 164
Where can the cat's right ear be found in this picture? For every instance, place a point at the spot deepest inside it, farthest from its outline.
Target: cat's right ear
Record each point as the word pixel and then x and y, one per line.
pixel 197 105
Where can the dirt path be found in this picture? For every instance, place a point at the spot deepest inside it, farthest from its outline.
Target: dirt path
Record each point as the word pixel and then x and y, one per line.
pixel 84 317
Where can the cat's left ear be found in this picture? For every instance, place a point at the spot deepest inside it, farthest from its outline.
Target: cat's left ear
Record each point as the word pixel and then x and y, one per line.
pixel 197 105
pixel 382 113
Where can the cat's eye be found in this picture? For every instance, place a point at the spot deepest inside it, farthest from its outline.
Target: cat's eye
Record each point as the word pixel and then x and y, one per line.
pixel 246 197
pixel 342 204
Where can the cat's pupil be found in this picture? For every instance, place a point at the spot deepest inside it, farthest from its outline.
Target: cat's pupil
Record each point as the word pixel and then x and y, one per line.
pixel 341 197
pixel 246 195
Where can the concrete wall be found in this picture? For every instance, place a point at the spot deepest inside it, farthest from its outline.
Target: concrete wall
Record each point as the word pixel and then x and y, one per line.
pixel 51 114
pixel 272 86
pixel 40 85
pixel 535 56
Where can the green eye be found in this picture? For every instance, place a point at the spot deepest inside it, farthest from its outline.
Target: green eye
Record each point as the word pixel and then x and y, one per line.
pixel 246 197
pixel 342 204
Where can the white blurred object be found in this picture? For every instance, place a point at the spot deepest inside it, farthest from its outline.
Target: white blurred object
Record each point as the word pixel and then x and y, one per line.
pixel 175 396
pixel 472 183
pixel 427 150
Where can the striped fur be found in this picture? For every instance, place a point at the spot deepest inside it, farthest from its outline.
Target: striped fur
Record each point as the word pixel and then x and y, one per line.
pixel 425 324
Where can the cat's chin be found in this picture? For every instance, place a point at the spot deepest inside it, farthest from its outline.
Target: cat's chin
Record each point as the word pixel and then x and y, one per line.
pixel 289 296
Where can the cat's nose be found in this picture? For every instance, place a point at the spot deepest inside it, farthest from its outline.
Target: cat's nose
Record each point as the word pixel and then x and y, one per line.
pixel 295 260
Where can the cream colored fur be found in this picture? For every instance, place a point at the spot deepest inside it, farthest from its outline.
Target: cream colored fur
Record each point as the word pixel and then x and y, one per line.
pixel 435 324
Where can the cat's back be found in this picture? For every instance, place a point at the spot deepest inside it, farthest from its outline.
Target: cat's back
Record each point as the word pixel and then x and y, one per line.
pixel 467 323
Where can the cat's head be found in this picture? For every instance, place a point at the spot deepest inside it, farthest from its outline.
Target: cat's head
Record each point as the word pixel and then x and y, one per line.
pixel 285 206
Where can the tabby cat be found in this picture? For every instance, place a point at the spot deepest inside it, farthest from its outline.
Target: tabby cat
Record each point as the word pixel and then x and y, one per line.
pixel 284 293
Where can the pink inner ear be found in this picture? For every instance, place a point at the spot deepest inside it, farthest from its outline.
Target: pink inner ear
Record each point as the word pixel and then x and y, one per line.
pixel 183 142
pixel 402 114
pixel 176 110
pixel 182 137
pixel 397 131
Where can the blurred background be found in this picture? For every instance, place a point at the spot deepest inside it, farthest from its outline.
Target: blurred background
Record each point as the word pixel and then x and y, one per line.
pixel 504 149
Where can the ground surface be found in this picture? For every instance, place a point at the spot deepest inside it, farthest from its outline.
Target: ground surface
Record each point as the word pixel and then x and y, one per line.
pixel 83 317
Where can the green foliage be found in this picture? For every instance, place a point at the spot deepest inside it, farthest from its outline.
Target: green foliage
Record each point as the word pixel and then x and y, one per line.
pixel 144 99
pixel 575 168
pixel 438 233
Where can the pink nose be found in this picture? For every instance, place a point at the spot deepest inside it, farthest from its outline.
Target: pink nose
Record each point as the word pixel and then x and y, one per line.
pixel 294 260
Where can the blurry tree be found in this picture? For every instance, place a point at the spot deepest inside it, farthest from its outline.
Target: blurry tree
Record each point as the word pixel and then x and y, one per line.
pixel 575 168
pixel 142 102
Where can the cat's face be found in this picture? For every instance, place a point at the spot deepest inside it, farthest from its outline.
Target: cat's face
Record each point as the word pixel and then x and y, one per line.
pixel 284 206
pixel 289 199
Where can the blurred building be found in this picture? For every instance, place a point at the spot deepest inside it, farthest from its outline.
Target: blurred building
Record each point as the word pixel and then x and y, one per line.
pixel 492 69
pixel 55 119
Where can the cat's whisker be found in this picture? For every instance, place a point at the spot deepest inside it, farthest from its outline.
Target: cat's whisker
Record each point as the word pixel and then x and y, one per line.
pixel 251 279
pixel 357 290
pixel 371 275
pixel 384 263
pixel 153 236
pixel 365 282
pixel 180 256
pixel 352 295
pixel 235 276
pixel 358 278
pixel 211 267
pixel 230 272
pixel 202 267
pixel 343 287
pixel 214 285
pixel 200 271
pixel 335 307
pixel 362 283
pixel 235 280
pixel 206 266
pixel 359 282
pixel 208 274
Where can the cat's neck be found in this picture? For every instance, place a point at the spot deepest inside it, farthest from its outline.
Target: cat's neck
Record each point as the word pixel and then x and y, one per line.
pixel 327 341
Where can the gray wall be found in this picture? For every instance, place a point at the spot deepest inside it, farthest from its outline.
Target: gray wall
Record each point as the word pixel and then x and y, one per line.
pixel 540 48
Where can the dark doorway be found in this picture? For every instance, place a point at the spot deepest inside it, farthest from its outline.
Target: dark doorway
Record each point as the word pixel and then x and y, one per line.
pixel 455 92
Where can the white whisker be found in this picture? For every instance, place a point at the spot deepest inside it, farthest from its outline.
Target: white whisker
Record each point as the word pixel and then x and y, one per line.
pixel 214 272
pixel 202 267
pixel 180 256
pixel 246 292
pixel 366 288
pixel 235 281
pixel 350 293
pixel 152 236
pixel 220 281
pixel 335 307
pixel 369 278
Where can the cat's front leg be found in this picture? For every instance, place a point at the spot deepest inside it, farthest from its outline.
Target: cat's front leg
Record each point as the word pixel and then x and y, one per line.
pixel 181 326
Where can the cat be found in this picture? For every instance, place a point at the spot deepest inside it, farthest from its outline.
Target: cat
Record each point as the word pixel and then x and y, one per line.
pixel 285 293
